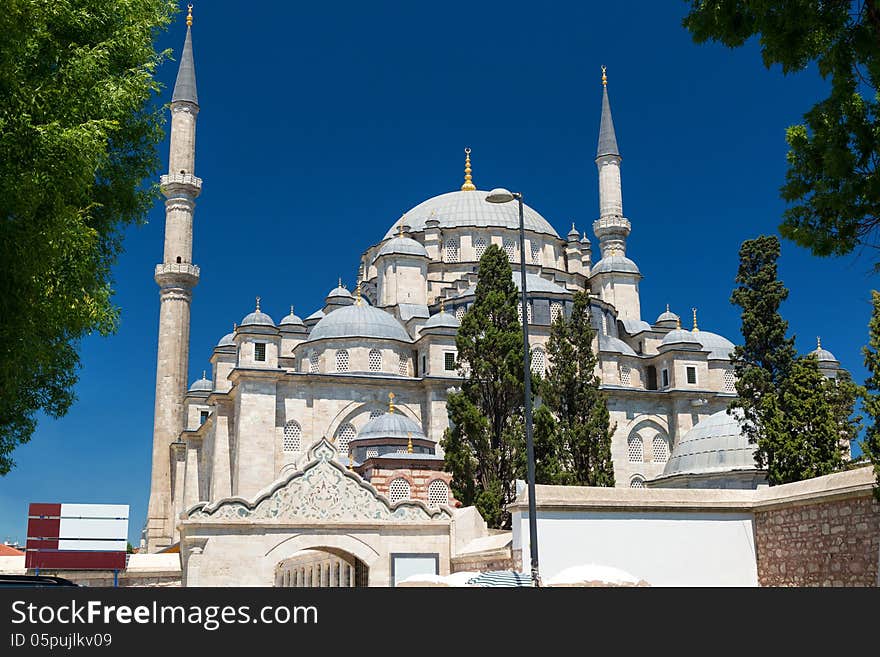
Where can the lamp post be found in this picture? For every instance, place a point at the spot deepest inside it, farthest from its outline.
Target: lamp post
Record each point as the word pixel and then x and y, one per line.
pixel 500 195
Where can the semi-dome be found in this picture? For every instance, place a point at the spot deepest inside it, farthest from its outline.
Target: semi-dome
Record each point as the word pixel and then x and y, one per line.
pixel 719 347
pixel 714 445
pixel 617 263
pixel 402 246
pixel 391 425
pixel 202 385
pixel 442 320
pixel 681 337
pixel 361 321
pixel 470 208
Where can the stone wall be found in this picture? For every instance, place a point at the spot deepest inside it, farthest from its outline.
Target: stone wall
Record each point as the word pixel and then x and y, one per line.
pixel 829 543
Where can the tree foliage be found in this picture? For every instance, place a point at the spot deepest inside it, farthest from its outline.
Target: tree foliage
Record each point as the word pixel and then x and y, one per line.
pixel 484 443
pixel 871 394
pixel 832 184
pixel 78 137
pixel 573 427
pixel 800 420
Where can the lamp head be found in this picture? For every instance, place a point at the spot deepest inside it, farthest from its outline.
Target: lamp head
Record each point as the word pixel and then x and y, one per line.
pixel 500 195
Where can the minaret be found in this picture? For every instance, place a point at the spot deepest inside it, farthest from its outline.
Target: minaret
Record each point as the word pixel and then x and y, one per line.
pixel 616 275
pixel 176 277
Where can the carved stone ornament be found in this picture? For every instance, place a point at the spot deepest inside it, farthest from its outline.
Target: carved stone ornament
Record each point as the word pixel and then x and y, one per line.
pixel 322 490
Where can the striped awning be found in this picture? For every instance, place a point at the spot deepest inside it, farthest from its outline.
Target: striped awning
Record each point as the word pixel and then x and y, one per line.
pixel 501 578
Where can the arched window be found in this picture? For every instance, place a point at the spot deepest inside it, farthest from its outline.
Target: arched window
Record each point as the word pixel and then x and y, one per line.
pixel 452 250
pixel 375 360
pixel 510 249
pixel 403 366
pixel 634 448
pixel 637 482
pixel 438 493
pixel 660 449
pixel 555 311
pixel 536 253
pixel 292 436
pixel 313 362
pixel 480 246
pixel 344 435
pixel 459 313
pixel 538 361
pixel 398 490
pixel 729 381
pixel 342 360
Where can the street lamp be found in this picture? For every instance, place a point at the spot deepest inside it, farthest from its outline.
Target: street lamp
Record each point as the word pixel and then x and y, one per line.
pixel 501 195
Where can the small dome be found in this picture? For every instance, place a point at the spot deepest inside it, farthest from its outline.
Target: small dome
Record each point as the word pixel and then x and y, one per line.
pixel 442 320
pixel 291 320
pixel 681 337
pixel 339 292
pixel 361 321
pixel 227 340
pixel 614 345
pixel 719 347
pixel 667 316
pixel 257 318
pixel 202 385
pixel 402 246
pixel 318 314
pixel 620 264
pixel 391 425
pixel 716 444
pixel 573 234
pixel 823 355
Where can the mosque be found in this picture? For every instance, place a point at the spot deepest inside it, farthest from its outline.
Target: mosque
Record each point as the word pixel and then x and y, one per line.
pixel 323 431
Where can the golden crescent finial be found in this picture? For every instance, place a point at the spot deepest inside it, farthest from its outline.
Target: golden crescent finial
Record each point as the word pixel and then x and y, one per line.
pixel 695 320
pixel 189 15
pixel 357 293
pixel 818 342
pixel 468 185
pixel 390 402
pixel 678 323
pixel 258 304
pixel 442 305
pixel 409 447
pixel 604 77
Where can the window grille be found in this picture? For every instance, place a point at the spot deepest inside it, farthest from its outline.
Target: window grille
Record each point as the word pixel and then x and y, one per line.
pixel 529 311
pixel 536 253
pixel 344 435
pixel 660 449
pixel 342 360
pixel 510 249
pixel 403 366
pixel 637 482
pixel 555 311
pixel 729 381
pixel 480 246
pixel 519 312
pixel 292 436
pixel 692 375
pixel 313 362
pixel 375 414
pixel 634 445
pixel 259 351
pixel 459 313
pixel 624 375
pixel 398 490
pixel 449 360
pixel 452 250
pixel 538 361
pixel 372 453
pixel 375 360
pixel 438 493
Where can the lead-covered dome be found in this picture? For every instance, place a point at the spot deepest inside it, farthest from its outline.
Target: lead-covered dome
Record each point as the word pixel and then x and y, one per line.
pixel 714 445
pixel 719 347
pixel 359 321
pixel 442 320
pixel 202 385
pixel 617 263
pixel 470 208
pixel 680 338
pixel 402 246
pixel 391 425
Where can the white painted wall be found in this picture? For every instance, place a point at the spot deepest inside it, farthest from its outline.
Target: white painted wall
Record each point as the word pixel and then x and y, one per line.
pixel 665 548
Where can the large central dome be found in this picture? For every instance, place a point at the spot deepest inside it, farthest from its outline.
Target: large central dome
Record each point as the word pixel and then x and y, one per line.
pixel 470 208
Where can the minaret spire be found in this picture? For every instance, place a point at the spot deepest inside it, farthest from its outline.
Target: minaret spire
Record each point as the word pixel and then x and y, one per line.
pixel 607 138
pixel 176 276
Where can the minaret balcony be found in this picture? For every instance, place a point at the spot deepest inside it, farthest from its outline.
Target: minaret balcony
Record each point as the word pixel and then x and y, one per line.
pixel 176 274
pixel 175 184
pixel 611 225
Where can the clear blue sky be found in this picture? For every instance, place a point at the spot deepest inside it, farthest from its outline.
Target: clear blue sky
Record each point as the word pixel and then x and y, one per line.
pixel 321 123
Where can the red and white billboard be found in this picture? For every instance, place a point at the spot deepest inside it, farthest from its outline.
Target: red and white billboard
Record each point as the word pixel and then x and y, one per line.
pixel 77 536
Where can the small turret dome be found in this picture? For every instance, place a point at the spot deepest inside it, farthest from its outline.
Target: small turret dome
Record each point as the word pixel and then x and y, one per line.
pixel 619 264
pixel 227 340
pixel 291 320
pixel 573 234
pixel 442 320
pixel 339 292
pixel 401 245
pixel 667 317
pixel 680 337
pixel 719 347
pixel 202 385
pixel 823 355
pixel 257 318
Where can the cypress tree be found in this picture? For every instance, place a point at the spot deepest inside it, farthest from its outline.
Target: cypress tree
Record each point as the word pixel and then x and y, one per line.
pixel 484 443
pixel 573 428
pixel 871 394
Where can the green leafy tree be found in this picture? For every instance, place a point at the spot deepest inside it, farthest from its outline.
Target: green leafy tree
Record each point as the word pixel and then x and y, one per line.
pixel 78 137
pixel 485 439
pixel 573 426
pixel 832 183
pixel 801 421
pixel 871 394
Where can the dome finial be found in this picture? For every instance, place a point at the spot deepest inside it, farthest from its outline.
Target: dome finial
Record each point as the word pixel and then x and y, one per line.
pixel 468 185
pixel 390 402
pixel 442 305
pixel 695 320
pixel 258 304
pixel 604 77
pixel 818 342
pixel 678 322
pixel 667 307
pixel 291 309
pixel 189 15
pixel 351 459
pixel 357 293
pixel 409 447
pixel 203 374
pixel 400 227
